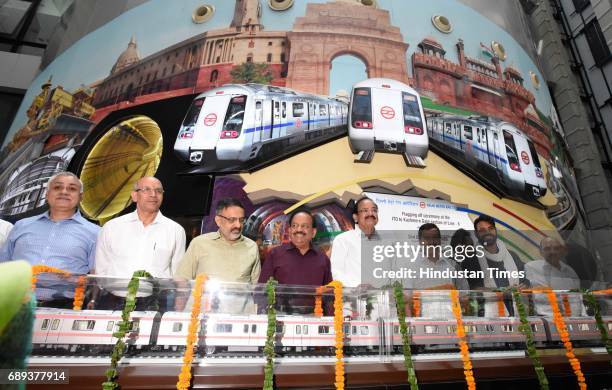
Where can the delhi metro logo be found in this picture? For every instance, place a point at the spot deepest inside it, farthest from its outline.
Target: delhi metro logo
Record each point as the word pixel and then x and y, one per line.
pixel 298 123
pixel 387 112
pixel 210 119
pixel 525 157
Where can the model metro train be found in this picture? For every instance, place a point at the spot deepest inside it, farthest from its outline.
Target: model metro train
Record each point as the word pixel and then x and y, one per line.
pixel 80 331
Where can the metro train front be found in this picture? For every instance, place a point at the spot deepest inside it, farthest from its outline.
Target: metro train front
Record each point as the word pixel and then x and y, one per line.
pixel 213 125
pixel 387 115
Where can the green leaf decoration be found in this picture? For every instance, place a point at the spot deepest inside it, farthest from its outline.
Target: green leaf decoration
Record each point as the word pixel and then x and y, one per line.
pixel 112 375
pixel 401 316
pixel 593 305
pixel 271 333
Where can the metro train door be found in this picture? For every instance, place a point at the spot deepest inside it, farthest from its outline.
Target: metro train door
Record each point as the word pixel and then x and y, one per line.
pixel 387 117
pixel 494 156
pixel 276 119
pixel 481 140
pixel 258 121
pixel 210 122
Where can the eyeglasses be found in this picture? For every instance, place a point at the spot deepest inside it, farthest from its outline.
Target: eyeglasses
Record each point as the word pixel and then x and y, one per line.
pixel 232 219
pixel 363 211
pixel 151 191
pixel 303 226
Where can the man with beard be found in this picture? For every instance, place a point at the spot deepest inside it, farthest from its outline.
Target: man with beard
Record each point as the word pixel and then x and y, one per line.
pixel 298 262
pixel 346 247
pixel 501 267
pixel 59 238
pixel 225 255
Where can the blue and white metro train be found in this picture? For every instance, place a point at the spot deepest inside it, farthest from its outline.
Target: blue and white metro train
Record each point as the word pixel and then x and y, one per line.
pixel 238 123
pixel 387 115
pixel 493 145
pixel 91 331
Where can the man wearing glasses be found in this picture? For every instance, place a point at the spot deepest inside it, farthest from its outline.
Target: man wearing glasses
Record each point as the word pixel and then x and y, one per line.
pixel 346 247
pixel 142 240
pixel 225 255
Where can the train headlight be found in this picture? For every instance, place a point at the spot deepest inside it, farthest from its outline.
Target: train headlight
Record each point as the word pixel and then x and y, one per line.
pixel 515 167
pixel 413 130
pixel 362 125
pixel 229 134
pixel 186 135
pixel 195 157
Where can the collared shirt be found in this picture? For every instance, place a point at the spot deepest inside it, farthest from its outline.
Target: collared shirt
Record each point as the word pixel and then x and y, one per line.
pixel 5 229
pixel 542 273
pixel 288 265
pixel 435 304
pixel 222 260
pixel 68 244
pixel 346 256
pixel 125 245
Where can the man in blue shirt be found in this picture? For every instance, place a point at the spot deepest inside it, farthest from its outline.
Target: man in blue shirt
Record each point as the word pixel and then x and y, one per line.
pixel 59 238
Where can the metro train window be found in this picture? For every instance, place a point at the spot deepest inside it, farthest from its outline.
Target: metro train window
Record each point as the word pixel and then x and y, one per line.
pixel 412 113
pixel 489 328
pixel 177 326
pixel 298 109
pixel 534 327
pixel 511 151
pixel 534 154
pixel 305 329
pixel 467 132
pixel 507 328
pixel 364 330
pixel 280 328
pixel 362 106
pixel 109 326
pixel 431 329
pixel 45 324
pixel 323 329
pixel 396 329
pixel 451 329
pixel 83 324
pixel 322 109
pixel 298 329
pixel 135 326
pixel 223 328
pixel 55 324
pixel 469 328
pixel 258 105
pixel 354 329
pixel 245 328
pixel 235 114
pixel 610 326
pixel 570 327
pixel 193 112
pixel 253 328
pixel 284 109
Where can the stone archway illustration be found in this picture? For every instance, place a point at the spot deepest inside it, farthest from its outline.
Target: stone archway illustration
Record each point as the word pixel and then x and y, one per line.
pixel 333 29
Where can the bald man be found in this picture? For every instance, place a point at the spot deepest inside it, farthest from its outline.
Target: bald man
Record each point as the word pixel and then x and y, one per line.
pixel 552 272
pixel 143 239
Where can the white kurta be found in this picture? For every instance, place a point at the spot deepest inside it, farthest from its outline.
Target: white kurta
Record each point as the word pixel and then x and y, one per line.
pixel 541 273
pixel 125 245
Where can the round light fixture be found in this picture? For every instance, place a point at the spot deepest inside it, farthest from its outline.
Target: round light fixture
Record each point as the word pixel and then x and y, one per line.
pixel 203 13
pixel 280 5
pixel 441 23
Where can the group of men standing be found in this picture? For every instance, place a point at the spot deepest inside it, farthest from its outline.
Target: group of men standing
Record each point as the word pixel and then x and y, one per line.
pixel 146 239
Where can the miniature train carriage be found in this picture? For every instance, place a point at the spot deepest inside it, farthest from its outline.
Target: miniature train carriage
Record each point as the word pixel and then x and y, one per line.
pixel 77 330
pixel 581 330
pixel 387 115
pixel 493 146
pixel 481 333
pixel 238 122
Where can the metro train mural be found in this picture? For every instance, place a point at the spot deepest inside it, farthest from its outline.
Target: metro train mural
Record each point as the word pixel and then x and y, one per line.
pixel 255 123
pixel 494 149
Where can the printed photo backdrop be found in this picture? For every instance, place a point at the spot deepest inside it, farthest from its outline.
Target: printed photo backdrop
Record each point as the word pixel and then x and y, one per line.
pixel 328 99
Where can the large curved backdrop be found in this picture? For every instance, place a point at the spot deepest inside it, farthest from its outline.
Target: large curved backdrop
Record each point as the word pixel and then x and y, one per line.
pixel 110 107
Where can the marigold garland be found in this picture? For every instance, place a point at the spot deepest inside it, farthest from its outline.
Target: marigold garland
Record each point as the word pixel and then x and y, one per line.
pixel 400 306
pixel 567 310
pixel 416 303
pixel 532 352
pixel 112 375
pixel 501 307
pixel 79 293
pixel 270 335
pixel 318 309
pixel 562 329
pixel 184 379
pixel 41 269
pixel 463 346
pixel 339 331
pixel 603 332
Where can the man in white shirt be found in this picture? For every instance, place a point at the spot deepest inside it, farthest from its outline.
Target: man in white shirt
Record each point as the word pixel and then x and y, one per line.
pixel 142 240
pixel 434 272
pixel 553 273
pixel 346 248
pixel 5 229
